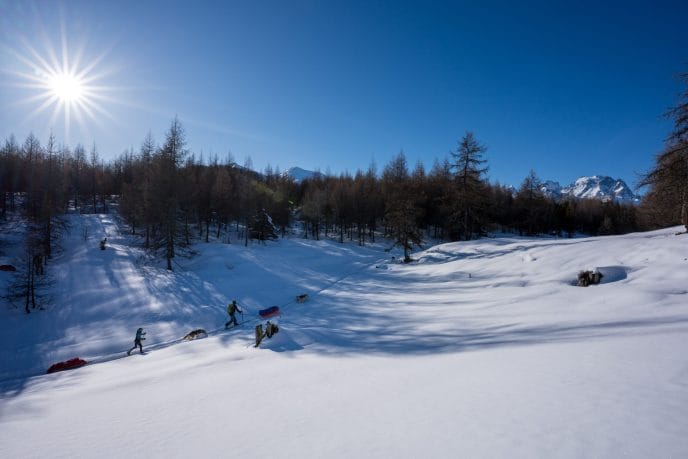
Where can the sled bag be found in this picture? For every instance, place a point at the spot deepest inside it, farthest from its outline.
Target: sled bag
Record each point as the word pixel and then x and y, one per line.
pixel 269 312
pixel 76 362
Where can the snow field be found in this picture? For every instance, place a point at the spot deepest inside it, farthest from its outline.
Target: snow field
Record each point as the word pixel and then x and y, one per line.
pixel 477 349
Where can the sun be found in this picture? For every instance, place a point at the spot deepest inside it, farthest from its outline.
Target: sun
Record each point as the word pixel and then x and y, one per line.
pixel 67 88
pixel 64 84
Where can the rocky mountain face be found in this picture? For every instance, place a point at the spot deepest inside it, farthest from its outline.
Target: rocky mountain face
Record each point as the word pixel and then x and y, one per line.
pixel 595 187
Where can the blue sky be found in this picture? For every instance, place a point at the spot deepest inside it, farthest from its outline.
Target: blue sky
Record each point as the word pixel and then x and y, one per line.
pixel 564 88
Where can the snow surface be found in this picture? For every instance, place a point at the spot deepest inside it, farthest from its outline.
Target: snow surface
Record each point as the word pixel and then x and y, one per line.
pixel 476 349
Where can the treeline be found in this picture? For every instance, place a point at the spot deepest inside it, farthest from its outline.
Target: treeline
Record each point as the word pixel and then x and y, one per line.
pixel 410 205
pixel 171 198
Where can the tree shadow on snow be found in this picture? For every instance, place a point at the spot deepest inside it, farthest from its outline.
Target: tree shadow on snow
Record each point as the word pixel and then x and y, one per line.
pixel 402 336
pixel 613 273
pixel 361 316
pixel 498 248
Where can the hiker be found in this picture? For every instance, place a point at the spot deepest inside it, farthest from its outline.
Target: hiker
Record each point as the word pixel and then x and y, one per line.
pixel 232 309
pixel 137 341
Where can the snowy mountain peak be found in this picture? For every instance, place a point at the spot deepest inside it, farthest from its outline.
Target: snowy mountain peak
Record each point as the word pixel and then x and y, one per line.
pixel 595 187
pixel 551 189
pixel 299 175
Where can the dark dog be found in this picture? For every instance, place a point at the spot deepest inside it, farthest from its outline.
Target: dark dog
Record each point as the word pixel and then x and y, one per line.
pixel 198 333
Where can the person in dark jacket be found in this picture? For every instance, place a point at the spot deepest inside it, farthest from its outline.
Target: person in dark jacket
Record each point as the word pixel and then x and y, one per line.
pixel 232 309
pixel 137 341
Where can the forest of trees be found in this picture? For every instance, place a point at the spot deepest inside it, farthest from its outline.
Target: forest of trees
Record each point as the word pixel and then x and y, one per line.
pixel 171 198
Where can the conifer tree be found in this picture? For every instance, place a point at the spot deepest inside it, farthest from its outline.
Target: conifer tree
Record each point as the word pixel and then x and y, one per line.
pixel 167 187
pixel 667 199
pixel 468 203
pixel 403 205
pixel 531 206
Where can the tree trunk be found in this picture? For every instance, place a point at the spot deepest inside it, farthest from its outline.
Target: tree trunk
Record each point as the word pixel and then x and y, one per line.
pixel 170 251
pixel 33 291
pixel 684 208
pixel 28 284
pixel 186 230
pixel 48 239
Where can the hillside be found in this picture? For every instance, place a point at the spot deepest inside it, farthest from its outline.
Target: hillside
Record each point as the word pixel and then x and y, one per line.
pixel 481 348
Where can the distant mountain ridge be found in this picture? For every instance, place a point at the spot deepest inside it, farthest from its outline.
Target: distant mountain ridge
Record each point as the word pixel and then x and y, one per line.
pixel 599 187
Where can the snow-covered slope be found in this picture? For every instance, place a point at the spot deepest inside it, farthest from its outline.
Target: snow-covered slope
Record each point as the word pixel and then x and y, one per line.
pixel 595 187
pixel 477 349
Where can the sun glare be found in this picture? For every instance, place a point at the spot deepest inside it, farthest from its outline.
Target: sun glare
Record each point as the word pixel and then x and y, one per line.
pixel 67 88
pixel 63 85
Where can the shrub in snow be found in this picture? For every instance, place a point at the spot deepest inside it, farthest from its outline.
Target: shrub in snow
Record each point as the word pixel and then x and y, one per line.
pixel 586 278
pixel 261 227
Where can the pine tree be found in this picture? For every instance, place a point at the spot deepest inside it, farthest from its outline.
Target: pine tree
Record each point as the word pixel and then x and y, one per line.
pixel 403 205
pixel 667 199
pixel 468 202
pixel 167 186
